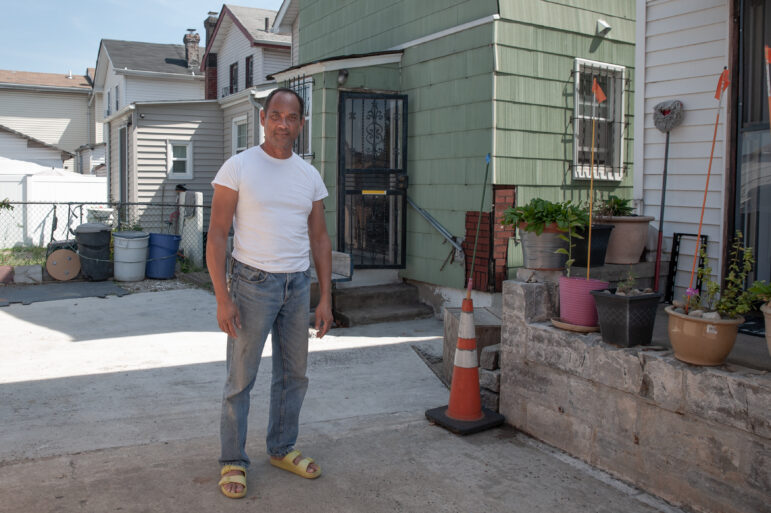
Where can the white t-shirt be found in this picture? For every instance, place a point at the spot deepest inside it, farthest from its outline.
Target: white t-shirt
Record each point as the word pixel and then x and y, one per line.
pixel 275 197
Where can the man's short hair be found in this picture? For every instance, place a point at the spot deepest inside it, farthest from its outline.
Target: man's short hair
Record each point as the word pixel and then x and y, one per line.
pixel 285 90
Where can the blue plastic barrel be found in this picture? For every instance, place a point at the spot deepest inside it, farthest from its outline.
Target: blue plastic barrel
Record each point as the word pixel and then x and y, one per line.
pixel 162 255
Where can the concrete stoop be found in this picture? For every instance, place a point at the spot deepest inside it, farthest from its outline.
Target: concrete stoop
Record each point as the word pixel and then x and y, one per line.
pixel 379 303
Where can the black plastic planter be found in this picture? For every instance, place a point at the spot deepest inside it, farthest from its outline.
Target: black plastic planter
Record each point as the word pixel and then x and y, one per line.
pixel 626 320
pixel 600 238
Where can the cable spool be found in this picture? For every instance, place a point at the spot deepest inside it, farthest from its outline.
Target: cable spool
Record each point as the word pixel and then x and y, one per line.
pixel 63 264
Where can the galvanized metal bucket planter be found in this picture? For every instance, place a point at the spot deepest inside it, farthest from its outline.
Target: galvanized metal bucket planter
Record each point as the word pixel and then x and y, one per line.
pixel 539 251
pixel 626 320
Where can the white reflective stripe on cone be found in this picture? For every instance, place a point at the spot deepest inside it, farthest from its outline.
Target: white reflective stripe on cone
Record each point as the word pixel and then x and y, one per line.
pixel 466 328
pixel 466 359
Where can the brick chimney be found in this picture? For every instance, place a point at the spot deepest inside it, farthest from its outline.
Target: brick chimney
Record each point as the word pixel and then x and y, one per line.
pixel 208 24
pixel 192 55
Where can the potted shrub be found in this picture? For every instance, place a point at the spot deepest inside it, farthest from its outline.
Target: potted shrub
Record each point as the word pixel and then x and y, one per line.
pixel 627 314
pixel 762 292
pixel 703 329
pixel 577 306
pixel 540 224
pixel 630 232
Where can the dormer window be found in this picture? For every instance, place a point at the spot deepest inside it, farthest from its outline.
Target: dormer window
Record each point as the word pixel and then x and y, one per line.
pixel 234 78
pixel 249 70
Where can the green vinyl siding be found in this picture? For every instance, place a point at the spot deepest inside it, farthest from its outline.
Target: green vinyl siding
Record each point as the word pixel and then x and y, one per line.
pixel 536 46
pixel 449 83
pixel 349 27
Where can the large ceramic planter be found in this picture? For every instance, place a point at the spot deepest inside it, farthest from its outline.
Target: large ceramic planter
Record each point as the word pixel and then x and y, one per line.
pixel 626 320
pixel 576 302
pixel 539 251
pixel 766 309
pixel 701 341
pixel 627 240
pixel 600 238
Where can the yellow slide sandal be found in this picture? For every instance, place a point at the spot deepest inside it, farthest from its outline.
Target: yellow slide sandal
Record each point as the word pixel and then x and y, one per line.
pixel 301 468
pixel 233 478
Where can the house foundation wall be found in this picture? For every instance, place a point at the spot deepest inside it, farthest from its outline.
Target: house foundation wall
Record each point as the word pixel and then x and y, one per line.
pixel 699 437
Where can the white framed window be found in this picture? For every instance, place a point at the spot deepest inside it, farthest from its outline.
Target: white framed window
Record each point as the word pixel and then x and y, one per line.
pixel 179 160
pixel 607 151
pixel 302 145
pixel 239 134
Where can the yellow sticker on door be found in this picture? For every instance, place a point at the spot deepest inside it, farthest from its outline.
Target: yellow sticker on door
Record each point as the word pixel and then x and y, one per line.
pixel 373 192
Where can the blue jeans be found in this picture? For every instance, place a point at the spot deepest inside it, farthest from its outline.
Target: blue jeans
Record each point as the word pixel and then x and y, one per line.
pixel 267 302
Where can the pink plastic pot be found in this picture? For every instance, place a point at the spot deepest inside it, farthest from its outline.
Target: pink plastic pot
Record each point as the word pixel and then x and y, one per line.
pixel 576 303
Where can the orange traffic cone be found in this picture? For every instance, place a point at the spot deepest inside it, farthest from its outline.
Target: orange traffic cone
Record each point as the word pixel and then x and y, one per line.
pixel 465 414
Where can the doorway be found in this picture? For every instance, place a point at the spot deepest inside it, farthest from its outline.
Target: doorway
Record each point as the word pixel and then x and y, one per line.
pixel 372 179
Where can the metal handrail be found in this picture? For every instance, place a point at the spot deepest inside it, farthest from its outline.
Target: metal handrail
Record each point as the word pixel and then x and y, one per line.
pixel 433 222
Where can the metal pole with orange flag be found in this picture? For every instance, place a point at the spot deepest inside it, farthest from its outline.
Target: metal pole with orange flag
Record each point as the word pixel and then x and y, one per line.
pixel 599 97
pixel 768 80
pixel 722 85
pixel 464 414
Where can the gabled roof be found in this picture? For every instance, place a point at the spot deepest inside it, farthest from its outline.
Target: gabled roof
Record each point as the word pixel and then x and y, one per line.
pixel 29 78
pixel 37 142
pixel 287 13
pixel 154 57
pixel 251 22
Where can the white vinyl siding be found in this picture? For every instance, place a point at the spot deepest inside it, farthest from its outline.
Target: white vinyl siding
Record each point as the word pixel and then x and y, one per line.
pixel 197 123
pixel 146 89
pixel 60 119
pixel 233 49
pixel 684 46
pixel 111 80
pixel 15 147
pixel 232 113
pixel 274 61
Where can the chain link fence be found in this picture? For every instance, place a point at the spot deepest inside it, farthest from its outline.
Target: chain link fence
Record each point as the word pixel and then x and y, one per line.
pixel 29 231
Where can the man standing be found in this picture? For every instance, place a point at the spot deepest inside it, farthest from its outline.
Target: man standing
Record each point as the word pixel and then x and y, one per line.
pixel 273 199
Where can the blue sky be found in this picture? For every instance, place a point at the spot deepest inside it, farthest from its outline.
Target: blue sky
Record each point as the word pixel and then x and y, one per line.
pixel 56 36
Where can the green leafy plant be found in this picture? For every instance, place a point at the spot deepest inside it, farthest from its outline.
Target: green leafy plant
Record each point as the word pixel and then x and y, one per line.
pixel 731 300
pixel 540 213
pixel 6 204
pixel 576 217
pixel 761 291
pixel 615 206
pixel 627 285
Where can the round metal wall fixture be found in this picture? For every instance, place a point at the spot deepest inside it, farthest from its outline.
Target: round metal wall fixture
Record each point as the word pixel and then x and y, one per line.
pixel 667 115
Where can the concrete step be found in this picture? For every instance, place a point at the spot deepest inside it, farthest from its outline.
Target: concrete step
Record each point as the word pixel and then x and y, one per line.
pixel 383 313
pixel 375 296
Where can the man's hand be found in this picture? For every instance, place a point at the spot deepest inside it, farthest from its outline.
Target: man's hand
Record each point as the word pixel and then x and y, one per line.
pixel 324 318
pixel 228 317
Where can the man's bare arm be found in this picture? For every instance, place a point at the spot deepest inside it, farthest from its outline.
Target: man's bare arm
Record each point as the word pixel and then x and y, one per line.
pixel 321 247
pixel 223 206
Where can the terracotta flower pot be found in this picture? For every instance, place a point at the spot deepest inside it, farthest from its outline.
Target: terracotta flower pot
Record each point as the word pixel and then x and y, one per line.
pixel 701 341
pixel 627 240
pixel 576 302
pixel 766 309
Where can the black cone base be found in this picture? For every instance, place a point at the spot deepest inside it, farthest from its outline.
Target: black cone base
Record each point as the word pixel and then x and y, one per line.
pixel 489 420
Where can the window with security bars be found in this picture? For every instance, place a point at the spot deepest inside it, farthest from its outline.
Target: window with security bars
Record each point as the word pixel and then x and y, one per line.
pixel 603 120
pixel 304 87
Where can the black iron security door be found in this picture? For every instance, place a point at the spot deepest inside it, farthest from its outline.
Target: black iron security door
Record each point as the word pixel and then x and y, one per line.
pixel 372 179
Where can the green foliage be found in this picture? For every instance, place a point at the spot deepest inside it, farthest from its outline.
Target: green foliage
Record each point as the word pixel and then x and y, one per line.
pixel 629 283
pixel 732 300
pixel 6 204
pixel 615 206
pixel 23 255
pixel 761 291
pixel 540 213
pixel 576 217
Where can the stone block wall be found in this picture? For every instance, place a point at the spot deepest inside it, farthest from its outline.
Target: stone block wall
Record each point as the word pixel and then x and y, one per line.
pixel 698 437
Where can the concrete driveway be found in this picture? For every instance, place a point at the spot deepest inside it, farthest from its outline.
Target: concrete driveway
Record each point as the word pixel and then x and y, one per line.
pixel 112 404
